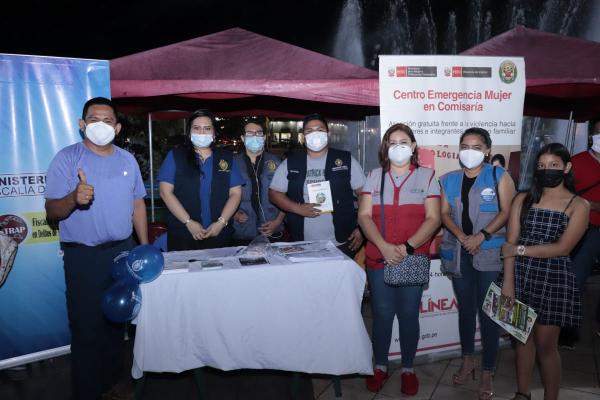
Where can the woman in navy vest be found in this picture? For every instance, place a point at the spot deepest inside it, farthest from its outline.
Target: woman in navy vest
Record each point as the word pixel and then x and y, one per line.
pixel 475 205
pixel 201 187
pixel 399 213
pixel 256 214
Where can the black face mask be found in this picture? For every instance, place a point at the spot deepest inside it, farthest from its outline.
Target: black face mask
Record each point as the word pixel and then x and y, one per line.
pixel 550 177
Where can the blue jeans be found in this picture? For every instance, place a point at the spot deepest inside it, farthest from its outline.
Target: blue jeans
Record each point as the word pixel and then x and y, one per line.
pixel 386 302
pixel 470 290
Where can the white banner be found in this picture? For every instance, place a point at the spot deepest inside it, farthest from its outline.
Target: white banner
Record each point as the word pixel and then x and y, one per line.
pixel 441 96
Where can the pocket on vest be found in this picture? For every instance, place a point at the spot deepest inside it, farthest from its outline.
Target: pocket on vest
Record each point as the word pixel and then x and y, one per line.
pixel 488 260
pixel 448 258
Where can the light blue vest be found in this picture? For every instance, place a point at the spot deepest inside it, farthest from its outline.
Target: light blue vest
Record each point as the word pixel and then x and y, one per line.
pixel 483 208
pixel 249 229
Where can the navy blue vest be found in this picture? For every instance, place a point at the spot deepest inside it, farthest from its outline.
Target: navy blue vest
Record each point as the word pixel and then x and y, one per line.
pixel 187 189
pixel 338 172
pixel 249 229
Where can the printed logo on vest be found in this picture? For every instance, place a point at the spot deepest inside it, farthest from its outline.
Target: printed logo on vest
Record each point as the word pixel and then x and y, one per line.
pixel 339 165
pixel 488 194
pixel 223 166
pixel 271 165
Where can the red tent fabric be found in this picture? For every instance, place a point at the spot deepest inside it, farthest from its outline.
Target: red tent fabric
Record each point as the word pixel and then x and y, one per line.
pixel 563 73
pixel 237 71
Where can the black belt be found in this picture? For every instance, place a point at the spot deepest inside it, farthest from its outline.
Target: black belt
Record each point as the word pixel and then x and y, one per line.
pixel 102 246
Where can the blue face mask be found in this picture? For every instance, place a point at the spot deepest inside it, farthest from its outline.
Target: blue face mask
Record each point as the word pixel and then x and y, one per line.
pixel 254 143
pixel 201 140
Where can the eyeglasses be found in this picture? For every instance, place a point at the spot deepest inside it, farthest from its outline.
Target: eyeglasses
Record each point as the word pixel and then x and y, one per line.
pixel 254 133
pixel 198 128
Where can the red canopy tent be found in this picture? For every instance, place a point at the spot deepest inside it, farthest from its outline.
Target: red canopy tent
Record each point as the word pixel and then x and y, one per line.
pixel 237 72
pixel 563 73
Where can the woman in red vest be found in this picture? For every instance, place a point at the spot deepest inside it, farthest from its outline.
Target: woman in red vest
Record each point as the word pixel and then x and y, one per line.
pixel 399 214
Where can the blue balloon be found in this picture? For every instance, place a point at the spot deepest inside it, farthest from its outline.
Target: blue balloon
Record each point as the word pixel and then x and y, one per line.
pixel 120 269
pixel 146 263
pixel 122 301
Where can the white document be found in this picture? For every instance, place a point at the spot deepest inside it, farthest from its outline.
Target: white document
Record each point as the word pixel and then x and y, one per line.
pixel 517 320
pixel 320 193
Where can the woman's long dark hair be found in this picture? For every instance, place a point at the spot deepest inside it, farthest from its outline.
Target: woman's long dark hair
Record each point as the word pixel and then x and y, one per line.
pixel 535 192
pixel 187 144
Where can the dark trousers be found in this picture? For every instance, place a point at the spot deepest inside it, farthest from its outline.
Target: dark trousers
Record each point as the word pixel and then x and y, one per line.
pixel 96 343
pixel 582 261
pixel 345 248
pixel 187 242
pixel 470 290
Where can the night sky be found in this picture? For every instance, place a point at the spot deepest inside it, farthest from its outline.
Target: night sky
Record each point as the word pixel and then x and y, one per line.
pixel 112 28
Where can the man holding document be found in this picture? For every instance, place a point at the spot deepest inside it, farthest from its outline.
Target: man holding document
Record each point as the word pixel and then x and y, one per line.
pixel 315 189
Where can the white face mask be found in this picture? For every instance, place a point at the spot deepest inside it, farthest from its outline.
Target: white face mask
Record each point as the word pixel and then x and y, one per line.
pixel 316 141
pixel 399 154
pixel 596 142
pixel 470 158
pixel 100 133
pixel 202 140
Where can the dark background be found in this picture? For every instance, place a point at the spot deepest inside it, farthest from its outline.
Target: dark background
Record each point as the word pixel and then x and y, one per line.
pixel 113 28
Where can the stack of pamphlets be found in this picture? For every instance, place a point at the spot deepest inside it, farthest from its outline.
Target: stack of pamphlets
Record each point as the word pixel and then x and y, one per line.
pixel 517 320
pixel 310 251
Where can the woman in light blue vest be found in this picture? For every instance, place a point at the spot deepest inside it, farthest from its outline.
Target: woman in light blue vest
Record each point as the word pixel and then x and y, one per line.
pixel 475 206
pixel 256 214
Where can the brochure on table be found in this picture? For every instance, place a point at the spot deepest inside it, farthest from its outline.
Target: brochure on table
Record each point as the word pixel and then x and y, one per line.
pixel 235 257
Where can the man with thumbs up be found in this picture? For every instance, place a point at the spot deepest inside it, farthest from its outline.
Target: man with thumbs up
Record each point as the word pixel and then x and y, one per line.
pixel 95 190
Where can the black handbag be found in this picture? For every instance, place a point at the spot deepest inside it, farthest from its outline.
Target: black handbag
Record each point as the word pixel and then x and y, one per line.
pixel 413 270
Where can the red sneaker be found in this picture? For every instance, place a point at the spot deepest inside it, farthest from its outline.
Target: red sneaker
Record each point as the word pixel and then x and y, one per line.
pixel 409 383
pixel 375 383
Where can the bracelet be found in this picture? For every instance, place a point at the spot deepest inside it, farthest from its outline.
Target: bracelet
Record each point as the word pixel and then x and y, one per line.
pixel 520 250
pixel 409 248
pixel 222 220
pixel 187 221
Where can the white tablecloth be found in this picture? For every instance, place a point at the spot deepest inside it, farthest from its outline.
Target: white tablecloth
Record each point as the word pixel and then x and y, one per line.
pixel 301 317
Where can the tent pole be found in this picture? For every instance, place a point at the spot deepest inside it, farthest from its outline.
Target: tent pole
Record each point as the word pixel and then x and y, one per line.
pixel 151 167
pixel 568 138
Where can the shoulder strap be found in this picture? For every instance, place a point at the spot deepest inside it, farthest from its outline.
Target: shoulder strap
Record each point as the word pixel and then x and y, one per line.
pixel 381 203
pixel 569 203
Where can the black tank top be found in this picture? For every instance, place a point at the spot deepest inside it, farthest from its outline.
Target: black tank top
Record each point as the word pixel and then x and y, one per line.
pixel 467 184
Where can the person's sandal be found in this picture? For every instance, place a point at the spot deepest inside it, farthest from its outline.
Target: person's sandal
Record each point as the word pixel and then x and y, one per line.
pixel 521 396
pixel 460 377
pixel 486 393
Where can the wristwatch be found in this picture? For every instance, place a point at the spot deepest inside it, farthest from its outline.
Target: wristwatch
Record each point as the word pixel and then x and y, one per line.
pixel 486 235
pixel 409 248
pixel 222 220
pixel 520 250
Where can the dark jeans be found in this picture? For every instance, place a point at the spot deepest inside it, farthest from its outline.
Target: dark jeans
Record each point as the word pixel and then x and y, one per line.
pixel 387 302
pixel 96 343
pixel 582 261
pixel 584 254
pixel 470 290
